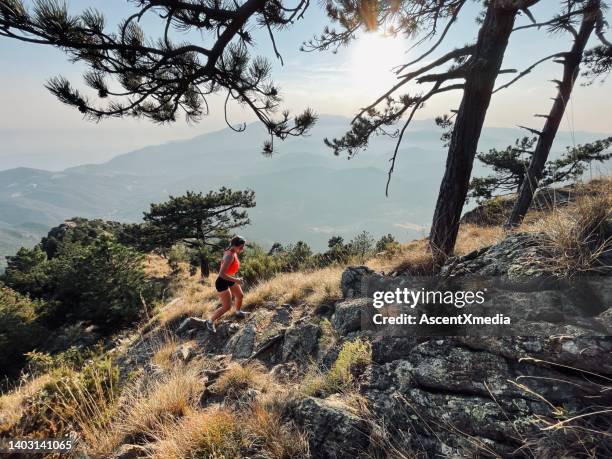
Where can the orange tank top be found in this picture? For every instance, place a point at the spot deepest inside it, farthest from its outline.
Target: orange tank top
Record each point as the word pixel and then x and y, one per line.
pixel 233 268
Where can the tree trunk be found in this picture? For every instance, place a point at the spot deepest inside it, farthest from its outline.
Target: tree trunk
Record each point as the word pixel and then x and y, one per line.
pixel 486 62
pixel 571 68
pixel 204 265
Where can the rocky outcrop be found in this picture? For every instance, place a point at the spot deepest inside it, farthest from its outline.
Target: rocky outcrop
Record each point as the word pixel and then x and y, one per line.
pixel 496 210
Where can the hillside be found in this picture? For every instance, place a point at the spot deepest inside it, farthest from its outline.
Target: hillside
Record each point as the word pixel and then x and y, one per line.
pixel 326 193
pixel 303 377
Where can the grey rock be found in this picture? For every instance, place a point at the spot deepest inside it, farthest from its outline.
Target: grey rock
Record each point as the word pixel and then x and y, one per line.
pixel 334 432
pixel 300 341
pixel 347 315
pixel 388 348
pixel 351 281
pixel 282 315
pixel 185 352
pixel 131 452
pixel 241 343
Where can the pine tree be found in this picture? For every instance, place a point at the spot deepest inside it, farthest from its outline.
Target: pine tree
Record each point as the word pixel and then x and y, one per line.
pixel 592 20
pixel 510 166
pixel 199 220
pixel 134 74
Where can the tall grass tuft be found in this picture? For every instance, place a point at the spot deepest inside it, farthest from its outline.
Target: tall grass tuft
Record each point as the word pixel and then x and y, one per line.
pixel 352 359
pixel 575 238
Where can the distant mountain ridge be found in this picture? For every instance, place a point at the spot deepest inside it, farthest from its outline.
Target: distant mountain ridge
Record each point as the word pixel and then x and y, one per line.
pixel 302 192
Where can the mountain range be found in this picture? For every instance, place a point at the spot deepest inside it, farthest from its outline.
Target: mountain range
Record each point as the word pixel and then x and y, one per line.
pixel 303 191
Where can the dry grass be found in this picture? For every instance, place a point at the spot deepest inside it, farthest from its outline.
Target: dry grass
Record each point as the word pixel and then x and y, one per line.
pixel 165 356
pixel 156 266
pixel 473 237
pixel 238 378
pixel 172 397
pixel 217 432
pixel 86 400
pixel 416 259
pixel 574 237
pixel 582 430
pixel 192 299
pixel 12 404
pixel 273 437
pixel 213 433
pixel 314 287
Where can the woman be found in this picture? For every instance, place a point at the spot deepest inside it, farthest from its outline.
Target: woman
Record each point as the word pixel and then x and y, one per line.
pixel 227 285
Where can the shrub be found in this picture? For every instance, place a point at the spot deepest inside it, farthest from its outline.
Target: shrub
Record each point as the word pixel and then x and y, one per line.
pixel 20 331
pixel 256 265
pixel 298 256
pixel 387 243
pixel 177 255
pixel 103 283
pixel 26 273
pixel 72 358
pixel 80 231
pixel 361 246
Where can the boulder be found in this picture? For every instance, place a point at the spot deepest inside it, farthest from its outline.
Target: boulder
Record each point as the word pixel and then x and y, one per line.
pixel 241 344
pixel 347 315
pixel 300 341
pixel 334 431
pixel 350 283
pixel 497 260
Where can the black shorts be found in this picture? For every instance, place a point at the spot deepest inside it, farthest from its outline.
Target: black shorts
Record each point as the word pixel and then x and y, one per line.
pixel 223 284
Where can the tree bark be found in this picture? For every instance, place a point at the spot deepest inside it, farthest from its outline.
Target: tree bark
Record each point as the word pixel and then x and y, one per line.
pixel 486 62
pixel 204 264
pixel 571 68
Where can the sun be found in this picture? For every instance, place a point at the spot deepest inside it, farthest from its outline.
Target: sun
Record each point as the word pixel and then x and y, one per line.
pixel 373 57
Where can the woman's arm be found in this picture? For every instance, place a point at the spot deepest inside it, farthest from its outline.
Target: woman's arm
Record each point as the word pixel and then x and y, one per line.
pixel 227 261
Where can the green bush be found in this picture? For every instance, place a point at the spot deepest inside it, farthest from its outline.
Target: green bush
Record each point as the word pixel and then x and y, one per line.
pixel 102 282
pixel 361 246
pixel 25 271
pixel 256 265
pixel 387 243
pixel 298 256
pixel 19 329
pixel 79 231
pixel 73 358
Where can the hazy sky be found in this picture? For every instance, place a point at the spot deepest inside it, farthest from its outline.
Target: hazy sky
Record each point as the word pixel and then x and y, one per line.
pixel 36 129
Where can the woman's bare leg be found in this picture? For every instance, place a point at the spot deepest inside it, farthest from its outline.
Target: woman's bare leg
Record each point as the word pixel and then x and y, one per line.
pixel 238 294
pixel 226 303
